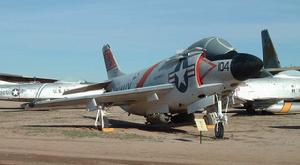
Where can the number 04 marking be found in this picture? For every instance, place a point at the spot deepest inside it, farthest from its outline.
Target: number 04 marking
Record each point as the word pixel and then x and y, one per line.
pixel 223 66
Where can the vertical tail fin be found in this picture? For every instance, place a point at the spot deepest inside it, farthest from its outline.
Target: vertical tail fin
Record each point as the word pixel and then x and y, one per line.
pixel 269 54
pixel 111 64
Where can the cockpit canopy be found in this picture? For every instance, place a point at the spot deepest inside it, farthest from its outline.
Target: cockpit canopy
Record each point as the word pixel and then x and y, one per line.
pixel 213 45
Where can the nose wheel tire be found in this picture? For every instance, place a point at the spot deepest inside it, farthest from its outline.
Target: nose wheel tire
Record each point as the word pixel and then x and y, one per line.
pixel 219 130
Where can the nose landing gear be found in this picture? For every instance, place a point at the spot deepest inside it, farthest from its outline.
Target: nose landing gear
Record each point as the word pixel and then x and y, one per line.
pixel 218 118
pixel 219 130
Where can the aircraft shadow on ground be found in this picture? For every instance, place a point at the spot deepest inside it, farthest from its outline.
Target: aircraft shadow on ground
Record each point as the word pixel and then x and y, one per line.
pixel 118 124
pixel 21 110
pixel 131 125
pixel 241 113
pixel 11 110
pixel 61 126
pixel 286 127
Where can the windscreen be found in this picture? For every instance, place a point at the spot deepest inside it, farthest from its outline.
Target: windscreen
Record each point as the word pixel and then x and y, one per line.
pixel 214 46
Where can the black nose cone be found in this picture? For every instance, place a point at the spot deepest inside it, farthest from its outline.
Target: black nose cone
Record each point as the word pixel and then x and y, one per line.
pixel 245 66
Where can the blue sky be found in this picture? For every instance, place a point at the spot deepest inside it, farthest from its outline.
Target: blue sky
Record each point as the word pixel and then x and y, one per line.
pixel 63 38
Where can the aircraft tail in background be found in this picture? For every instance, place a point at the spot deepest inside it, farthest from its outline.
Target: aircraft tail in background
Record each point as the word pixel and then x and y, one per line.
pixel 270 57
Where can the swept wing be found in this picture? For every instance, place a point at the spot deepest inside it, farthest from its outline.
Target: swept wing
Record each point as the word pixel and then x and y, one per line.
pixel 123 97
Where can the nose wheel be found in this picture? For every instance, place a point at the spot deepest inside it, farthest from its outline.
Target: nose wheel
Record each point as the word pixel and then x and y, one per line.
pixel 219 130
pixel 221 118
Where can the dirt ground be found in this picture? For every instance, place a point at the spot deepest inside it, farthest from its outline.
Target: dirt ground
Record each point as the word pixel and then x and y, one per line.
pixel 69 137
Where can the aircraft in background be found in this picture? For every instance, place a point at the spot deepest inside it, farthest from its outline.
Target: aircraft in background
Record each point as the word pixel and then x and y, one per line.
pixel 209 67
pixel 277 94
pixel 13 78
pixel 274 94
pixel 270 58
pixel 30 89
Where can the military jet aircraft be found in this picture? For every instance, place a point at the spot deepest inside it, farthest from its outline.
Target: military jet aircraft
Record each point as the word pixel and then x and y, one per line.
pixel 277 94
pixel 172 86
pixel 30 89
pixel 274 94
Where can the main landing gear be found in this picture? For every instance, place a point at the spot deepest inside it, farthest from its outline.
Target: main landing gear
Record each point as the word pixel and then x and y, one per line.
pixel 159 118
pixel 101 119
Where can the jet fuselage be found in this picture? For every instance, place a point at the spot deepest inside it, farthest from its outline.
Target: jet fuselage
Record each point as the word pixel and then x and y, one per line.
pixel 188 74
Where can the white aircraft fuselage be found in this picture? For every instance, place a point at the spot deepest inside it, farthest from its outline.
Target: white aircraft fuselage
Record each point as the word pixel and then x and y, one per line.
pixel 28 92
pixel 274 94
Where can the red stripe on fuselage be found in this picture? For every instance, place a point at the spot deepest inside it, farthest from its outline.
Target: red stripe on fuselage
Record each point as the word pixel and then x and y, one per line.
pixel 145 76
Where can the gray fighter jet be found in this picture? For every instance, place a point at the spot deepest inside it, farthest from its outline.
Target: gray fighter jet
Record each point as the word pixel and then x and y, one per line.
pixel 209 67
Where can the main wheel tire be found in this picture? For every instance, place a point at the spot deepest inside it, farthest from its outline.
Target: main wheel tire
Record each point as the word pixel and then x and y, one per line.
pixel 219 130
pixel 154 119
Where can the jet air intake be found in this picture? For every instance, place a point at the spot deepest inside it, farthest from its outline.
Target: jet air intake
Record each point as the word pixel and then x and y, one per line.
pixel 244 66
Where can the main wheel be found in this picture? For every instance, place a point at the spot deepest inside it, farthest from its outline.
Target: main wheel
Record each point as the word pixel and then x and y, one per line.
pixel 157 118
pixel 219 130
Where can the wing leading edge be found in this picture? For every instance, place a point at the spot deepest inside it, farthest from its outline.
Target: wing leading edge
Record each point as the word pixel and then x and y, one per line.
pixel 20 78
pixel 114 98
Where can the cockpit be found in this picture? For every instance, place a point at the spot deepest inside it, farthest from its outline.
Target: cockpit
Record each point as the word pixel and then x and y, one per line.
pixel 215 47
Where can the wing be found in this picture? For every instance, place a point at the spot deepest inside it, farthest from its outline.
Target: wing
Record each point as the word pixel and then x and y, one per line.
pixel 98 86
pixel 20 78
pixel 123 97
pixel 277 70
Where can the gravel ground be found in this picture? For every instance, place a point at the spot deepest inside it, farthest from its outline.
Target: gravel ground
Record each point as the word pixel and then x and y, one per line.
pixel 69 137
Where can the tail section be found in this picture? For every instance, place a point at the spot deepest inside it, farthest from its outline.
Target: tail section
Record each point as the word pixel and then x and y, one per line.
pixel 269 54
pixel 111 64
